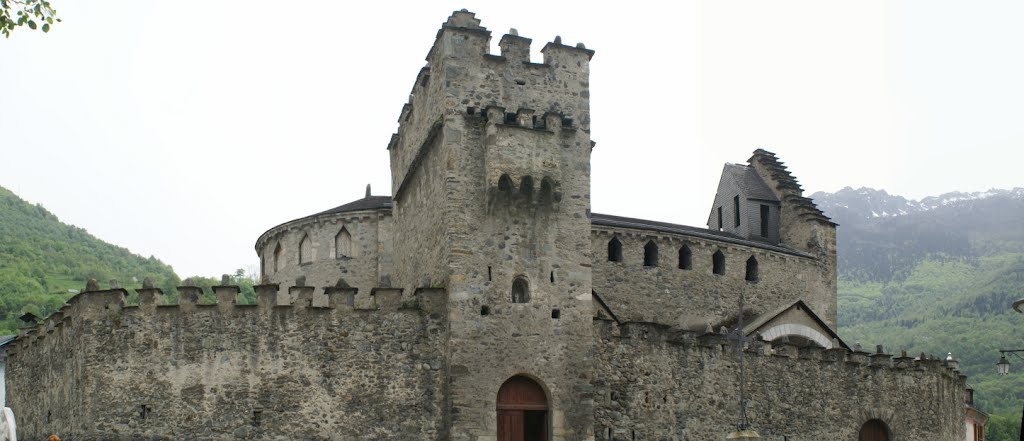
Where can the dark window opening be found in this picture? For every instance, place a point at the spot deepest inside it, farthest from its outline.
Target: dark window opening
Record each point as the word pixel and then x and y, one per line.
pixel 751 269
pixel 510 118
pixel 144 411
pixel 470 110
pixel 257 417
pixel 651 254
pixel 552 277
pixel 718 263
pixel 764 220
pixel 520 291
pixel 556 314
pixel 546 191
pixel 719 218
pixel 489 274
pixel 685 258
pixel 736 210
pixel 485 310
pixel 526 186
pixel 567 123
pixel 505 183
pixel 521 82
pixel 614 250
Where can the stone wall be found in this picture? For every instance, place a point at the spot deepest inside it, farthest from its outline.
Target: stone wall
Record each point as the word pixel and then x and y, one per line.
pixel 312 369
pixel 474 117
pixel 695 298
pixel 653 383
pixel 366 265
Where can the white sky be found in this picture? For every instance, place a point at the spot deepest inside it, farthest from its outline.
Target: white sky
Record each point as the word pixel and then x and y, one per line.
pixel 185 129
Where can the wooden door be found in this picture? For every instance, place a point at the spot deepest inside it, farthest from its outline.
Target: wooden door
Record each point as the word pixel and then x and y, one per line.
pixel 510 425
pixel 522 411
pixel 874 430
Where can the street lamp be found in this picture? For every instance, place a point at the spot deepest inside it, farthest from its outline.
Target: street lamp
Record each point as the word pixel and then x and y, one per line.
pixel 1003 367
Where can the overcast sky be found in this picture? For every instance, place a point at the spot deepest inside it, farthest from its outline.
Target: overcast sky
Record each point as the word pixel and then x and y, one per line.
pixel 184 129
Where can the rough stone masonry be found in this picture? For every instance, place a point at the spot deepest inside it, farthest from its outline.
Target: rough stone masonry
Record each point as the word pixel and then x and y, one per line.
pixel 483 301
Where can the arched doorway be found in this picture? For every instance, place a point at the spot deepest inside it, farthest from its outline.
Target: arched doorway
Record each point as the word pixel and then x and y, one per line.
pixel 522 411
pixel 874 430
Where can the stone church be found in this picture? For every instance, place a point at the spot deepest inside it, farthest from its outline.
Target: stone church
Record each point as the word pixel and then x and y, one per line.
pixel 483 301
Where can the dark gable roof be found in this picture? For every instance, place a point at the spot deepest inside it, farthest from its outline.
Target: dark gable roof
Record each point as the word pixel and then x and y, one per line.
pixel 607 220
pixel 749 182
pixel 367 203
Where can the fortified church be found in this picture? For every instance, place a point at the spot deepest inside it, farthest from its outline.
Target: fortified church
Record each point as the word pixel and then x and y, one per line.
pixel 483 301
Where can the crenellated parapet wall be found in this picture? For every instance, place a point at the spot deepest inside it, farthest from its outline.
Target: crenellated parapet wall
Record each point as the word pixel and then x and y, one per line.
pixel 657 382
pixel 300 363
pixel 462 78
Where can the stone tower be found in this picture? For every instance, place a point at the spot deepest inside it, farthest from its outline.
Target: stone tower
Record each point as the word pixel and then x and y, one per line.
pixel 491 188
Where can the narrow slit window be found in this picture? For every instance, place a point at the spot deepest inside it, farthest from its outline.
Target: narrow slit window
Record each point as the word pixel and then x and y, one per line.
pixel 305 250
pixel 751 269
pixel 764 220
pixel 718 263
pixel 736 210
pixel 719 218
pixel 614 250
pixel 685 258
pixel 278 264
pixel 650 254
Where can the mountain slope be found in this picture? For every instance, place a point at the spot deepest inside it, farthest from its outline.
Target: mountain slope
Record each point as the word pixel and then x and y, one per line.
pixel 42 262
pixel 933 276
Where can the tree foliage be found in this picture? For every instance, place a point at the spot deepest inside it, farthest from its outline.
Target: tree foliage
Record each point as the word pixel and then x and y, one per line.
pixel 43 262
pixel 36 14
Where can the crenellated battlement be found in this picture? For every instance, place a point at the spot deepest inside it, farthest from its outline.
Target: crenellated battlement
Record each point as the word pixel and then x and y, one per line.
pixel 112 306
pixel 721 343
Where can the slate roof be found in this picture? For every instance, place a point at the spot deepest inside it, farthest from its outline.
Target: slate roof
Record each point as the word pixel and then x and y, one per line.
pixel 704 233
pixel 5 339
pixel 367 203
pixel 749 182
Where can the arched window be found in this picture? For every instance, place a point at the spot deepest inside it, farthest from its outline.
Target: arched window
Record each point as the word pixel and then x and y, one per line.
pixel 526 187
pixel 546 191
pixel 651 254
pixel 343 244
pixel 505 183
pixel 874 430
pixel 718 263
pixel 522 408
pixel 685 258
pixel 751 269
pixel 520 290
pixel 278 264
pixel 614 250
pixel 305 250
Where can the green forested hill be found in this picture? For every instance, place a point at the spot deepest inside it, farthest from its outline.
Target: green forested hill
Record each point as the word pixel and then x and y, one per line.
pixel 937 276
pixel 43 260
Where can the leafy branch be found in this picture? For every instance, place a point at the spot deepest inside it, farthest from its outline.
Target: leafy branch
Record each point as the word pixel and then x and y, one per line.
pixel 31 13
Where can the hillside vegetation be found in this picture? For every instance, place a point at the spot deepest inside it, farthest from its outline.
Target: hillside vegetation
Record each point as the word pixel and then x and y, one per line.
pixel 43 262
pixel 937 276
